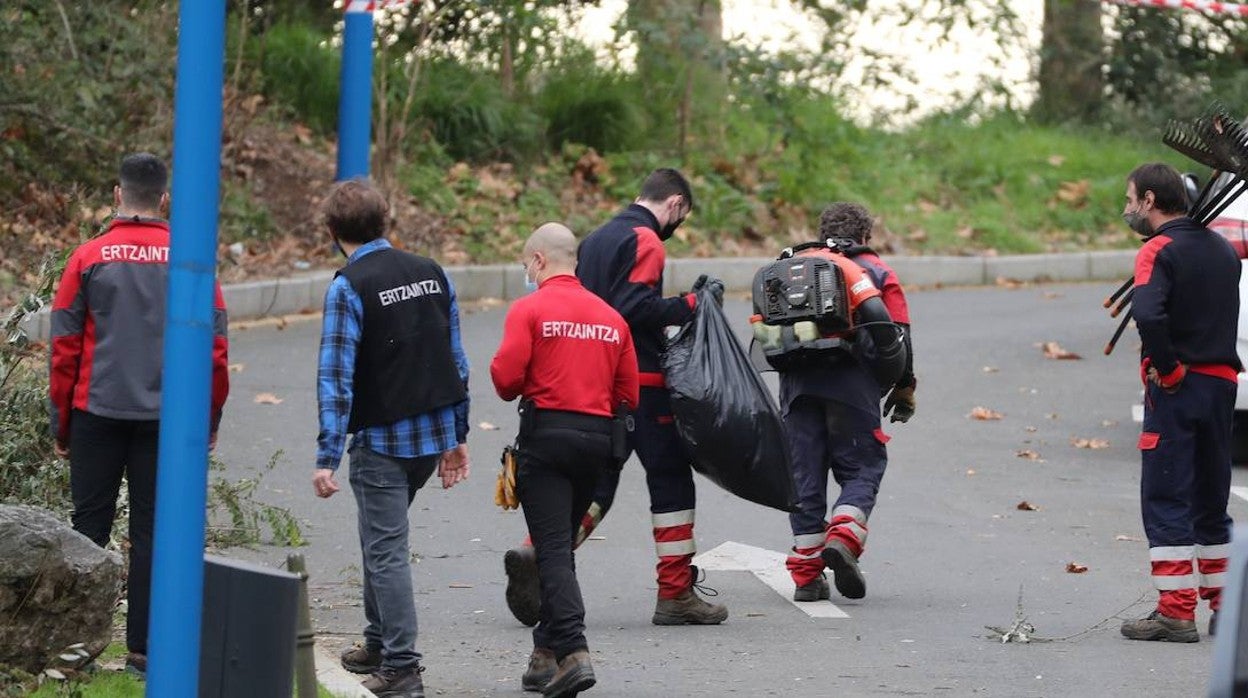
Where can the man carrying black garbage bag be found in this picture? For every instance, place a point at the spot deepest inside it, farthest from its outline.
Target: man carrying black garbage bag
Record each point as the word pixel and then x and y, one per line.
pixel 570 357
pixel 836 356
pixel 622 263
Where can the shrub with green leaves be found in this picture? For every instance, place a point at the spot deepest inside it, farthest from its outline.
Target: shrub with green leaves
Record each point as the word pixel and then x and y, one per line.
pixel 301 70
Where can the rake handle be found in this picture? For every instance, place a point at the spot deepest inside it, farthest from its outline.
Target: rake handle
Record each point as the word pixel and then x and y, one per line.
pixel 1122 326
pixel 1122 304
pixel 1121 290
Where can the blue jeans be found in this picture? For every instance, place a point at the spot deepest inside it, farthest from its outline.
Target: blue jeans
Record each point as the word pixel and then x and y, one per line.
pixel 384 487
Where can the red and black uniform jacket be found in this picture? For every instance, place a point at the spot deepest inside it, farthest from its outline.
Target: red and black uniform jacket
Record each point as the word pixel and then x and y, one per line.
pixel 566 349
pixel 622 263
pixel 1186 300
pixel 108 327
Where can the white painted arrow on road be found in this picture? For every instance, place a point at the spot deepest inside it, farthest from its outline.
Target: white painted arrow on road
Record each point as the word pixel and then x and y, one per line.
pixel 769 567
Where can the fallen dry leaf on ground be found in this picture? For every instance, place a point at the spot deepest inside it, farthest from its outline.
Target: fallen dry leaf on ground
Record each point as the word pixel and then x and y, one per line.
pixel 1028 454
pixel 1050 295
pixel 268 399
pixel 457 585
pixel 1053 350
pixel 991 369
pixel 970 472
pixel 1109 423
pixel 1029 430
pixel 1128 538
pixel 1076 568
pixel 1006 282
pixel 237 368
pixel 984 414
pixel 1095 444
pixel 487 426
pixel 1027 506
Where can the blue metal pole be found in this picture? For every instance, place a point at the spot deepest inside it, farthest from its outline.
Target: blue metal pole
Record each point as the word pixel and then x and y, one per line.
pixel 182 475
pixel 355 93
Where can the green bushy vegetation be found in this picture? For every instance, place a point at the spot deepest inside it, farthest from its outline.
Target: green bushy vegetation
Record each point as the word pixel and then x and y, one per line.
pixel 491 147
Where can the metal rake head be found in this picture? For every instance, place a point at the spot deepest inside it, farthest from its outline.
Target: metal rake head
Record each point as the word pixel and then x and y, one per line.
pixel 1225 137
pixel 1186 139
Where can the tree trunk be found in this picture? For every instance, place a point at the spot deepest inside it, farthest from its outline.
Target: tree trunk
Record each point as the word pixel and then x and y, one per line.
pixel 1072 57
pixel 680 58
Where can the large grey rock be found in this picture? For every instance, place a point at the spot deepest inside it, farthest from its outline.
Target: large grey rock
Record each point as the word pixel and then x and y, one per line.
pixel 57 588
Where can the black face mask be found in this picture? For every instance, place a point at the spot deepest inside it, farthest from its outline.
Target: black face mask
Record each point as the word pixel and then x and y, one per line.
pixel 668 230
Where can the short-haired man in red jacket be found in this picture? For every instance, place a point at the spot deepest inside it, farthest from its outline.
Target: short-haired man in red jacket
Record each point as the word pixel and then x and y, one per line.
pixel 108 327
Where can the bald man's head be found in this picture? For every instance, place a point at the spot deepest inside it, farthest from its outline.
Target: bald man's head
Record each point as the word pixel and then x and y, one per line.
pixel 549 251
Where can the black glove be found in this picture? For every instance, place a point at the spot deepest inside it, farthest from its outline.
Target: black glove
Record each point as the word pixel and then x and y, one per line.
pixel 901 403
pixel 715 286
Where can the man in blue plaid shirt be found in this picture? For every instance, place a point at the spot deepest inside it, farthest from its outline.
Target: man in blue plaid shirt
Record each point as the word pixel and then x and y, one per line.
pixel 393 374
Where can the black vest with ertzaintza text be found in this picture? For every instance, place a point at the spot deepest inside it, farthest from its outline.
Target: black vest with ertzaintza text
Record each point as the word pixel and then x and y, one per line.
pixel 404 365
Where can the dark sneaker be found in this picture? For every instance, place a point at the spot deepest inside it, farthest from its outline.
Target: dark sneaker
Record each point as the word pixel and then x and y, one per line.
pixel 845 572
pixel 1156 626
pixel 388 682
pixel 542 667
pixel 361 659
pixel 524 595
pixel 816 590
pixel 136 664
pixel 575 674
pixel 688 609
pixel 1213 624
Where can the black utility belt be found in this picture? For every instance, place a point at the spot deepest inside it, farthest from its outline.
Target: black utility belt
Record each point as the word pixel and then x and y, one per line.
pixel 577 421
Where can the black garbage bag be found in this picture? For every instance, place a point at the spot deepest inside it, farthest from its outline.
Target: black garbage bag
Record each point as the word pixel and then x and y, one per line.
pixel 726 417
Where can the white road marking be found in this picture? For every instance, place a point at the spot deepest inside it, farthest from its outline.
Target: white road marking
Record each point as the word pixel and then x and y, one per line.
pixel 1241 492
pixel 768 566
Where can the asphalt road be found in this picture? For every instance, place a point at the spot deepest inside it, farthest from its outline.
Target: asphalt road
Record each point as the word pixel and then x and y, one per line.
pixel 950 551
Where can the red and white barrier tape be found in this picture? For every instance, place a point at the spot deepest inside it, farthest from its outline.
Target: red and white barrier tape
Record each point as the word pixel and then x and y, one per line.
pixel 1217 8
pixel 372 5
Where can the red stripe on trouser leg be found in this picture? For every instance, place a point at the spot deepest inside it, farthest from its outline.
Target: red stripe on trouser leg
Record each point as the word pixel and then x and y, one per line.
pixel 589 522
pixel 1180 604
pixel 841 529
pixel 674 575
pixel 1213 592
pixel 805 565
pixel 528 542
pixel 1176 587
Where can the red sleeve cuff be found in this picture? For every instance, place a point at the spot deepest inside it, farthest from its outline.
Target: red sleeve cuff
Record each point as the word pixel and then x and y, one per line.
pixel 692 300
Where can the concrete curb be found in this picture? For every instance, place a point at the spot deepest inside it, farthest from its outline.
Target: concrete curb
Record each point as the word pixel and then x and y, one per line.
pixel 303 293
pixel 338 681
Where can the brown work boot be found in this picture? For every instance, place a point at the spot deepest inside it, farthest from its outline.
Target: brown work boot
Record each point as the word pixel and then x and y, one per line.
pixel 388 682
pixel 845 573
pixel 542 666
pixel 361 659
pixel 688 609
pixel 524 594
pixel 1156 626
pixel 136 664
pixel 575 674
pixel 815 590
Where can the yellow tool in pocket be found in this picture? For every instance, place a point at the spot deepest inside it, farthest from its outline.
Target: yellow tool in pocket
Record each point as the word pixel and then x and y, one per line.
pixel 505 488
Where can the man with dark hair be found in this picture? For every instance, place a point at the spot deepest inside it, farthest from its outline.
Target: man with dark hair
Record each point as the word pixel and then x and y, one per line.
pixel 622 262
pixel 1186 306
pixel 392 373
pixel 108 325
pixel 832 416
